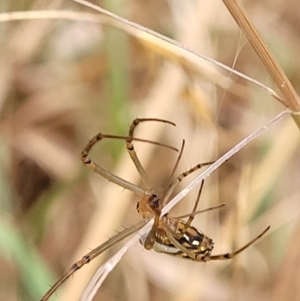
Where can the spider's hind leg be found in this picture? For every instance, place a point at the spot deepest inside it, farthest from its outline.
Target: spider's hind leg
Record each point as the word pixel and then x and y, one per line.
pixel 233 254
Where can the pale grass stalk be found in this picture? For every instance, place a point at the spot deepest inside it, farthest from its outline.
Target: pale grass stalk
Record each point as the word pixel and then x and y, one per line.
pixel 132 29
pixel 142 29
pixel 291 99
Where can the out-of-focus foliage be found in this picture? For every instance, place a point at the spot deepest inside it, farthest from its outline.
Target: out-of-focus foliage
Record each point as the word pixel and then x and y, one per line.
pixel 63 81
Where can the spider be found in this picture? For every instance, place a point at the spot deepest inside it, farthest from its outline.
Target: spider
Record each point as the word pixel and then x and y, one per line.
pixel 170 235
pixel 176 237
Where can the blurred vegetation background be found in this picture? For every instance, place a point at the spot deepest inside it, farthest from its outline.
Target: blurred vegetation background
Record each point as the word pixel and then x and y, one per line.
pixel 63 81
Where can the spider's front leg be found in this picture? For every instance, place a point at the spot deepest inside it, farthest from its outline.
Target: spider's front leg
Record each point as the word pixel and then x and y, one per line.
pixel 150 207
pixel 150 240
pixel 131 151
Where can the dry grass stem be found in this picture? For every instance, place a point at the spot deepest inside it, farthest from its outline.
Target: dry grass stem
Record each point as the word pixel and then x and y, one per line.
pixel 291 98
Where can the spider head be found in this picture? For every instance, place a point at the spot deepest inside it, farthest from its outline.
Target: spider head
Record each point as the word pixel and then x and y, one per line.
pixel 149 206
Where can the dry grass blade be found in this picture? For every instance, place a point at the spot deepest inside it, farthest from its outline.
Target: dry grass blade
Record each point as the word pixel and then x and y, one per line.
pixel 135 30
pixel 138 30
pixel 291 98
pixel 106 268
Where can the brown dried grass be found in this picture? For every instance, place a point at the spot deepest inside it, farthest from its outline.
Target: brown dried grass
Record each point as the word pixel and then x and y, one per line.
pixel 57 90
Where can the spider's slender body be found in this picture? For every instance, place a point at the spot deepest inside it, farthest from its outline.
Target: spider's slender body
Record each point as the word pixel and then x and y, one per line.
pixel 174 236
pixel 170 235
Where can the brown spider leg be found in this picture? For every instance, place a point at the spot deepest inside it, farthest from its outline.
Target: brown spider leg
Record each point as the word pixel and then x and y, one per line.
pixel 199 211
pixel 130 148
pixel 92 255
pixel 182 176
pixel 106 174
pixel 174 168
pixel 132 152
pixel 194 212
pixel 191 217
pixel 232 254
pixel 150 240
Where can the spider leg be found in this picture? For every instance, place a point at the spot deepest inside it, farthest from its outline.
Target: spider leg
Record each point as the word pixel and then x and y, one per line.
pixel 132 152
pixel 192 216
pixel 173 185
pixel 194 212
pixel 92 255
pixel 150 240
pixel 174 168
pixel 106 174
pixel 200 211
pixel 233 254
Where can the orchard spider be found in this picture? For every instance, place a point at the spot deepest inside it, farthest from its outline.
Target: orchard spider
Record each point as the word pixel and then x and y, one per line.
pixel 170 235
